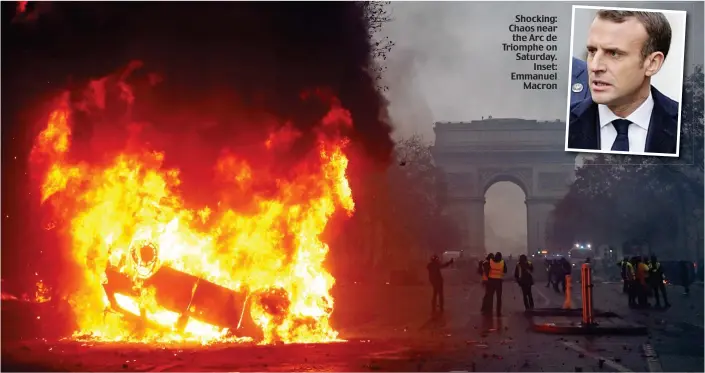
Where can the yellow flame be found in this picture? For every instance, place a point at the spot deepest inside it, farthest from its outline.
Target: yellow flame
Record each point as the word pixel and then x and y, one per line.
pixel 133 201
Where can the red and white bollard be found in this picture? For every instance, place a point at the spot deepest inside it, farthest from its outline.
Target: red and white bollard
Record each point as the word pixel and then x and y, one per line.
pixel 586 281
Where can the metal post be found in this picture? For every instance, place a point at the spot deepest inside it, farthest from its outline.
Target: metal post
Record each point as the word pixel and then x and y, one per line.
pixel 586 281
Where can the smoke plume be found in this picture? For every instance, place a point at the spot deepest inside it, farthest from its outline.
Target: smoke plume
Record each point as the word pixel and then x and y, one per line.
pixel 211 75
pixel 227 71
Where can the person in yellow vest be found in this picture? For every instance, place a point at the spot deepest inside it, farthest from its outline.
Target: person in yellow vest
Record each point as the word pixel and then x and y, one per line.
pixel 631 281
pixel 642 283
pixel 495 269
pixel 484 272
pixel 523 273
pixel 656 279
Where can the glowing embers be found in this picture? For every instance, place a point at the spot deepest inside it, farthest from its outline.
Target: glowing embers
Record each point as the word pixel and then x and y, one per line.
pixel 169 319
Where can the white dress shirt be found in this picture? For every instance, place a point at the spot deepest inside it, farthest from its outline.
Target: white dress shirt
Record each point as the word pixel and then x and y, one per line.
pixel 638 130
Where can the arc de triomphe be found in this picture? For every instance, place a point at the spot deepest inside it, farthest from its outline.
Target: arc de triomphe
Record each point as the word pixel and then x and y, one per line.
pixel 477 154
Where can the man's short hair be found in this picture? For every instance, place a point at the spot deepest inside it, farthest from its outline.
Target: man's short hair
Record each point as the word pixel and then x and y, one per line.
pixel 657 28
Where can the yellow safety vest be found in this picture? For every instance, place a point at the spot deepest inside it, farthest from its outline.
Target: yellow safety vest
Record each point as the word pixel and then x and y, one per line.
pixel 630 271
pixel 496 269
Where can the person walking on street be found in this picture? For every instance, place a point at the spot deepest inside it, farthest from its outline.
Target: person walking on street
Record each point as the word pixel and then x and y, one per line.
pixel 436 278
pixel 523 273
pixel 496 269
pixel 656 278
pixel 549 274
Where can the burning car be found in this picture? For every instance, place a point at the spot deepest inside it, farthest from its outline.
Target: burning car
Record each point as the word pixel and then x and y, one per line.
pixel 146 262
pixel 153 295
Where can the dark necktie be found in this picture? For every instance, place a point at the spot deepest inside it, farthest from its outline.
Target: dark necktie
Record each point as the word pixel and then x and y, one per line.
pixel 621 143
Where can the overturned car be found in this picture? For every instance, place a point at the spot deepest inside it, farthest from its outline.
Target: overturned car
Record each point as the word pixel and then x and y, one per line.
pixel 153 295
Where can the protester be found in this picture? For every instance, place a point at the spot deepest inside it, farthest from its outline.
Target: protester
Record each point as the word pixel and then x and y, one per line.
pixel 436 278
pixel 523 273
pixel 495 269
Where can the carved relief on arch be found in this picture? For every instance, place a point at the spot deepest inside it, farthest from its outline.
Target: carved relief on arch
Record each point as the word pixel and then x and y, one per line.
pixel 522 176
pixel 461 184
pixel 554 181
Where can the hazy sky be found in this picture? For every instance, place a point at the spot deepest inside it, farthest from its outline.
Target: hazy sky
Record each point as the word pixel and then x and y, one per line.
pixel 448 65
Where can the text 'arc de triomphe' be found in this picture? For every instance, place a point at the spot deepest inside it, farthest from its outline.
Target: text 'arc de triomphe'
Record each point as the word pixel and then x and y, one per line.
pixel 477 154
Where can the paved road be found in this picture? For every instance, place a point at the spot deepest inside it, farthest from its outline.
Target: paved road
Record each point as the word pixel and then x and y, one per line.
pixel 388 328
pixel 676 334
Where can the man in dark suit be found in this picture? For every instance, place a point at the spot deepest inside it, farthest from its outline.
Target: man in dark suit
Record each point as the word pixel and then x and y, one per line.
pixel 625 113
pixel 579 89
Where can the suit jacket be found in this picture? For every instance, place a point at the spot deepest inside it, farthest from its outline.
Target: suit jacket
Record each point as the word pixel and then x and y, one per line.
pixel 584 125
pixel 579 76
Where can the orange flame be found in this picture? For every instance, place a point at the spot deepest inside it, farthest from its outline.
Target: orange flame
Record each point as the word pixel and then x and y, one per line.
pixel 133 201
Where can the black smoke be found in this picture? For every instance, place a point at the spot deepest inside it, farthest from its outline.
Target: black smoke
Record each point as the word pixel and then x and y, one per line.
pixel 227 68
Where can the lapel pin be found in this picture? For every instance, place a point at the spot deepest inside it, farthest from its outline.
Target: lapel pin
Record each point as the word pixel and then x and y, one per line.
pixel 577 87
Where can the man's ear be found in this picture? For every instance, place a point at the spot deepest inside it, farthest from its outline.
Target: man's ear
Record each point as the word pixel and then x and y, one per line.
pixel 653 63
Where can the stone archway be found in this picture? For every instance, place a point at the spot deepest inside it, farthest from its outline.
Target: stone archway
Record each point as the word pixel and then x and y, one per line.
pixel 477 154
pixel 502 231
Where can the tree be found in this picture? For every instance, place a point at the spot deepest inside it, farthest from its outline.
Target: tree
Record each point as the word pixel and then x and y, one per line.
pixel 377 15
pixel 683 176
pixel 418 192
pixel 399 216
pixel 686 172
pixel 606 203
pixel 656 200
